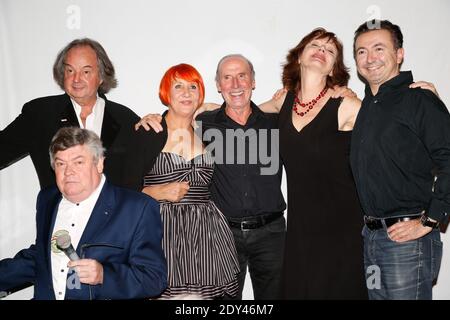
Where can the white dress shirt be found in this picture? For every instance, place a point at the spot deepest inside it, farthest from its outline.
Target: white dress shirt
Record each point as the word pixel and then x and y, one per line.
pixel 73 218
pixel 94 121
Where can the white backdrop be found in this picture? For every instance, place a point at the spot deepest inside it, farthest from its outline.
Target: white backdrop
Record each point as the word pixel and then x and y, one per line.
pixel 144 38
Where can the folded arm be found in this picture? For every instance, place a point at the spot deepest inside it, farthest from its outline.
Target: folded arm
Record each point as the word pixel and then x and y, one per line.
pixel 172 191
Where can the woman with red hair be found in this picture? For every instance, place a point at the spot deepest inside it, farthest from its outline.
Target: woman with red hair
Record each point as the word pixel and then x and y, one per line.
pixel 323 256
pixel 173 167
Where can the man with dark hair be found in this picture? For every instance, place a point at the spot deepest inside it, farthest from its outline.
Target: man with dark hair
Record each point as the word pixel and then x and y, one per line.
pixel 83 70
pixel 117 232
pixel 400 157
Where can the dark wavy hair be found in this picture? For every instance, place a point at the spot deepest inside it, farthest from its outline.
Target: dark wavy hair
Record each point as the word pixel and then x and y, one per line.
pixel 394 30
pixel 105 66
pixel 291 77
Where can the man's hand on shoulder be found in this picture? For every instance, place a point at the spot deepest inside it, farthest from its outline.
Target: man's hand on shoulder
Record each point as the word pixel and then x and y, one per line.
pixel 207 106
pixel 150 121
pixel 425 85
pixel 342 92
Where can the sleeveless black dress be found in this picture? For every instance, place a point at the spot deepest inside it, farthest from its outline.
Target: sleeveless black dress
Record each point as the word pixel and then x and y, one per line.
pixel 324 247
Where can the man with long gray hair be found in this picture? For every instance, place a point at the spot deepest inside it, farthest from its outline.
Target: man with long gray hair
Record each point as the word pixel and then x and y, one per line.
pixel 85 73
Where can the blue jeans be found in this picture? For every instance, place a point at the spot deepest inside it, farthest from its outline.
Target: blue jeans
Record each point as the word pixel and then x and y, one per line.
pixel 401 271
pixel 262 251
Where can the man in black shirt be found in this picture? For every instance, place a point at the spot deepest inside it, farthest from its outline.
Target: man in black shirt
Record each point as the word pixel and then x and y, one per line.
pixel 400 158
pixel 246 184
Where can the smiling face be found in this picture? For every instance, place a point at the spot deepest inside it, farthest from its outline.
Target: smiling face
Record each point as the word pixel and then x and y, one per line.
pixel 320 55
pixel 377 59
pixel 235 82
pixel 184 97
pixel 77 175
pixel 81 75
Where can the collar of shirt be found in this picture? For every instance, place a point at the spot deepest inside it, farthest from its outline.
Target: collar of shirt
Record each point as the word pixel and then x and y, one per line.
pixel 94 121
pixel 404 78
pixel 222 116
pixel 72 217
pixel 86 205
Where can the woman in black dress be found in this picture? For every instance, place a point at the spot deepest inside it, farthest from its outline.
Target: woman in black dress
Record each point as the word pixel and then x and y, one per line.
pixel 324 248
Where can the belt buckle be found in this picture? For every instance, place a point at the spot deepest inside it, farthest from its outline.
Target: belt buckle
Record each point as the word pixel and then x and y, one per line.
pixel 249 223
pixel 370 222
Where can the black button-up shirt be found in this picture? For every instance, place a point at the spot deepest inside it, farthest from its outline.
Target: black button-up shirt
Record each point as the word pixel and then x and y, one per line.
pixel 247 172
pixel 400 142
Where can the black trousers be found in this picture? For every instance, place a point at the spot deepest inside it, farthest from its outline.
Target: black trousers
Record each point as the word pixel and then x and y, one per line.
pixel 261 250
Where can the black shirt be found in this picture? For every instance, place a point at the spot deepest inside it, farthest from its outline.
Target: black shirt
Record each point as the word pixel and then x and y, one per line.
pixel 400 142
pixel 247 172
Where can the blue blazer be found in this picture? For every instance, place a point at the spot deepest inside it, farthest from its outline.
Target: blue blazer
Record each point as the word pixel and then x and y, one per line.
pixel 123 234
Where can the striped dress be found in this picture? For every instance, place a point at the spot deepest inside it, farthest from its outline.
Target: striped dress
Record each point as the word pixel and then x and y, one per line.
pixel 198 244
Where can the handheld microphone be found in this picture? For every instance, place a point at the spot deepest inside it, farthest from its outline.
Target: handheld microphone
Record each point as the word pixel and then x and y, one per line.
pixel 63 242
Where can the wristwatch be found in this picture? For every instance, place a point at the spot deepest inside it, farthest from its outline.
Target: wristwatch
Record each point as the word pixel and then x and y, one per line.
pixel 427 222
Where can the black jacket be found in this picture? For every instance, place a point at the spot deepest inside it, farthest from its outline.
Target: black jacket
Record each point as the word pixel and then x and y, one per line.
pixel 142 150
pixel 31 133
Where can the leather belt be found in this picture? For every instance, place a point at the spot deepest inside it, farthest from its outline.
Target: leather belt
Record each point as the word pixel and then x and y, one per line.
pixel 377 223
pixel 253 222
